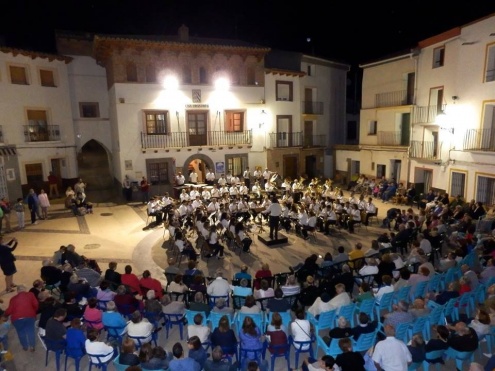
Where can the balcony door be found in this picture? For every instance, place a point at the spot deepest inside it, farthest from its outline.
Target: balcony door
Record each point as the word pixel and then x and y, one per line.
pixel 308 133
pixel 197 123
pixel 284 131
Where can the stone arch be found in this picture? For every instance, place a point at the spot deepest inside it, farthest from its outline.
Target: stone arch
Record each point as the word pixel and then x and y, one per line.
pixel 94 165
pixel 197 156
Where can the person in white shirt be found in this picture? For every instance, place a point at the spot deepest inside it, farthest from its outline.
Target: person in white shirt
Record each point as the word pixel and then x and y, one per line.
pixel 210 177
pixel 301 329
pixel 274 211
pixel 139 326
pixel 321 304
pixel 197 203
pixel 243 189
pixel 370 210
pixel 205 195
pixel 247 177
pixel 215 192
pixel 228 177
pixel 192 195
pixel 193 177
pixel 385 289
pixel 391 354
pixel 233 190
pixel 424 243
pixel 93 346
pixel 219 286
pixel 198 329
pixel 257 174
pixel 184 196
pixel 266 175
pixel 222 180
pixel 342 297
pixel 180 179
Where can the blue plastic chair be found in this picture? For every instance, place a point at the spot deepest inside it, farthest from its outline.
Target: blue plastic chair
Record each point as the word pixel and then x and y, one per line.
pixel 213 299
pixel 114 333
pixel 452 274
pixel 286 318
pixel 93 324
pixel 434 318
pixel 401 331
pixel 174 319
pixel 464 303
pixel 448 310
pixel 385 304
pixel 76 354
pixel 364 341
pixel 402 294
pixel 301 347
pixel 326 320
pixel 420 290
pixel 367 306
pixel 229 351
pixel 118 366
pixel 279 351
pixel 214 319
pixel 190 317
pixel 348 312
pixel 332 349
pixel 55 346
pixel 97 362
pixel 432 357
pixel 259 356
pixel 139 340
pixel 418 326
pixel 460 357
pixel 435 282
pixel 102 305
pixel 258 319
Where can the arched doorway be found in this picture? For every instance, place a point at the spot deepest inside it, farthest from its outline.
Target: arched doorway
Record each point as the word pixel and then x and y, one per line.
pixel 200 163
pixel 94 168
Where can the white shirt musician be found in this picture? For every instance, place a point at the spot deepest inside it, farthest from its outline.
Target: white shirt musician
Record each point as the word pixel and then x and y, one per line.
pixel 213 206
pixel 286 185
pixel 215 192
pixel 224 189
pixel 233 208
pixel 206 195
pixel 183 209
pixel 193 177
pixel 362 204
pixel 246 174
pixel 267 175
pixel 287 198
pixel 257 174
pixel 303 217
pixel 243 189
pixel 256 189
pixel 184 196
pixel 269 186
pixel 193 194
pixel 210 177
pixel 180 179
pixel 370 207
pixel 229 178
pixel 222 180
pixel 266 202
pixel 242 206
pixel 167 200
pixel 233 191
pixel 197 203
pixel 235 180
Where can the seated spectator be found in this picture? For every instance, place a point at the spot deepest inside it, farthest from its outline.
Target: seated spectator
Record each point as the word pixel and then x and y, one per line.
pixel 301 329
pixel 196 350
pixel 75 338
pixel 488 272
pixel 243 273
pixel 112 276
pixel 278 303
pixel 149 283
pixel 419 308
pixel 127 354
pixel 46 311
pixel 453 291
pixel 309 292
pixel 448 262
pixel 326 362
pixel 250 339
pixel 104 293
pixel 199 304
pixel 157 360
pixel 365 326
pixel 198 284
pixel 321 304
pixel 67 272
pixel 192 269
pixel 170 306
pixel 88 274
pixel 400 314
pixel 439 341
pixel 55 329
pixel 71 305
pixel 250 305
pixel 386 266
pixel 79 287
pixel 369 268
pixel 50 274
pixel 462 338
pixel 417 348
pixel 242 289
pixel 386 288
pixel 221 307
pixel 364 292
pixel 92 315
pixel 276 332
pixel 130 280
pixel 219 286
pixel 112 318
pixel 139 326
pixel 218 362
pixel 349 360
pixel 291 287
pixel 69 255
pixel 38 286
pixel 177 285
pixel 481 323
pixel 93 346
pixel 343 330
pixel 265 291
pixel 152 305
pixel 126 302
pixel 198 329
pixel 180 363
pixel 223 335
pixel 264 272
pixel 404 275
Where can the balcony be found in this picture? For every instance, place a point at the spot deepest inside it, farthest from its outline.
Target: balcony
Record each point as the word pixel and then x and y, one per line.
pixel 426 114
pixel 312 108
pixel 423 150
pixel 315 140
pixel 41 133
pixel 286 139
pixel 480 140
pixel 391 138
pixel 184 139
pixel 392 98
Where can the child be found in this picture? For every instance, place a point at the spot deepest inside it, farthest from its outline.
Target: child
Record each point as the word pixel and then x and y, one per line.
pixel 19 210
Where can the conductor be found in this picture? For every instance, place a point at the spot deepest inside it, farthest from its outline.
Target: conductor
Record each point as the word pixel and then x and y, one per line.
pixel 274 211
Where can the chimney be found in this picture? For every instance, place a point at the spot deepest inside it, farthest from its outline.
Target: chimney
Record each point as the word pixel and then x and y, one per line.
pixel 183 33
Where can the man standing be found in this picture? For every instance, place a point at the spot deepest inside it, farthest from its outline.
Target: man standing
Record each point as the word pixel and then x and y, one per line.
pixel 145 190
pixel 193 177
pixel 266 176
pixel 126 188
pixel 247 178
pixel 210 177
pixel 53 185
pixel 179 179
pixel 391 353
pixel 274 211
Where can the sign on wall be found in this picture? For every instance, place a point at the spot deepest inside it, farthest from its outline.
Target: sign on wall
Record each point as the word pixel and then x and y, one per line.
pixel 219 167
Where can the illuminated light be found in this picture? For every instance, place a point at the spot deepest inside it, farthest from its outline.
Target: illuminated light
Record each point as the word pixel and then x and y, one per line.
pixel 222 83
pixel 171 83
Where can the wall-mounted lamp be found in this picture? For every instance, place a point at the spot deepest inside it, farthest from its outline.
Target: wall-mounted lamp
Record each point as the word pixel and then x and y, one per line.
pixel 455 97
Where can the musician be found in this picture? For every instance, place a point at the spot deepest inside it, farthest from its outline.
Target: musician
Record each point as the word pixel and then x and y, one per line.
pixel 225 220
pixel 274 211
pixel 256 189
pixel 183 209
pixel 236 180
pixel 269 187
pixel 370 210
pixel 205 194
pixel 287 198
pixel 243 189
pixel 286 185
pixel 215 192
pixel 362 203
pixel 222 181
pixel 266 176
pixel 214 243
pixel 233 208
pixel 243 209
pixel 193 177
pixel 212 208
pixel 247 177
pixel 193 193
pixel 233 191
pixel 197 203
pixel 179 179
pixel 285 217
pixel 184 245
pixel 302 221
pixel 210 177
pixel 310 226
pixel 228 178
pixel 354 217
pixel 184 196
pixel 257 174
pixel 155 209
pixel 242 238
pixel 225 190
pixel 253 208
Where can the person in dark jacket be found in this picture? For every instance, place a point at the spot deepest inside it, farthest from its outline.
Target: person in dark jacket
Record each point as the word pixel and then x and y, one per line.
pixel 127 355
pixel 349 360
pixel 462 338
pixel 112 276
pixel 7 262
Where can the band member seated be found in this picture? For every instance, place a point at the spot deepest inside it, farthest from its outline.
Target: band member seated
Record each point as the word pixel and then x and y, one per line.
pixel 184 245
pixel 213 242
pixel 155 209
pixel 242 238
pixel 285 220
pixel 301 221
pixel 354 217
pixel 310 226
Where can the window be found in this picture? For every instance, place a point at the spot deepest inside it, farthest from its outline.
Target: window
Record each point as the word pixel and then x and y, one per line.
pixel 46 78
pixel 150 73
pixel 310 70
pixel 89 109
pixel 158 171
pixel 18 75
pixel 284 90
pixel 156 122
pixel 251 76
pixel 203 78
pixel 457 185
pixel 372 127
pixel 438 56
pixel 186 75
pixel 490 64
pixel 131 72
pixel 485 190
pixel 236 165
pixel 37 130
pixel 234 121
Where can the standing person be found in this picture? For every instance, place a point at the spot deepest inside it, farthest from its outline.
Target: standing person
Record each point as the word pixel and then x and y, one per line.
pixel 53 185
pixel 19 211
pixel 247 178
pixel 391 353
pixel 145 190
pixel 274 211
pixel 22 310
pixel 193 177
pixel 33 205
pixel 80 186
pixel 127 189
pixel 44 203
pixel 7 262
pixel 5 206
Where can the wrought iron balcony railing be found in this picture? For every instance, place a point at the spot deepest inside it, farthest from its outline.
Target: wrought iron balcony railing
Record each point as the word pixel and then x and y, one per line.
pixel 392 138
pixel 312 108
pixel 286 139
pixel 423 150
pixel 315 140
pixel 41 133
pixel 392 98
pixel 184 139
pixel 480 140
pixel 426 114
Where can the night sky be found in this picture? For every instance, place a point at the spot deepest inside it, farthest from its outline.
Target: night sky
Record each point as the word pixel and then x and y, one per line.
pixel 350 32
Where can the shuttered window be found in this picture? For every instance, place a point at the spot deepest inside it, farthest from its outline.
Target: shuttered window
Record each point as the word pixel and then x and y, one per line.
pixel 457 184
pixel 485 190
